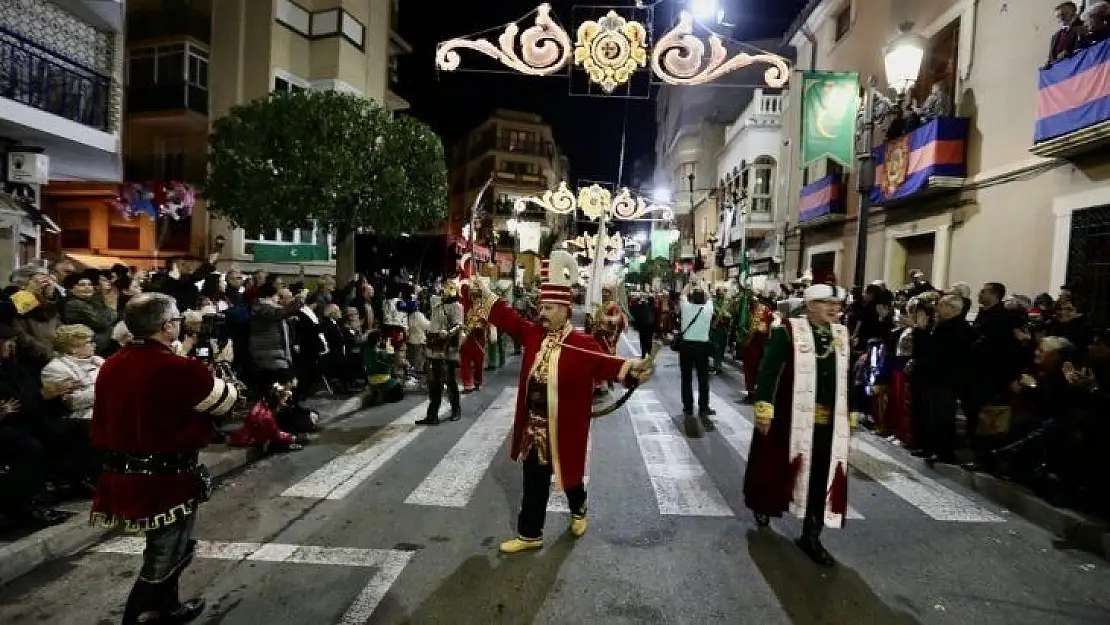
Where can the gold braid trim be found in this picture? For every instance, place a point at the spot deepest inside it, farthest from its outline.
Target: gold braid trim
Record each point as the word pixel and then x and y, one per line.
pixel 145 524
pixel 764 412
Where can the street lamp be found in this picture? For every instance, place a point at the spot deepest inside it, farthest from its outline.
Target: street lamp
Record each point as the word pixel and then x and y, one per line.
pixel 661 195
pixel 703 9
pixel 902 58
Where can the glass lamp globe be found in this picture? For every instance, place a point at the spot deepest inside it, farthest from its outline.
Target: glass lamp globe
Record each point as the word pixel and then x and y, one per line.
pixel 902 58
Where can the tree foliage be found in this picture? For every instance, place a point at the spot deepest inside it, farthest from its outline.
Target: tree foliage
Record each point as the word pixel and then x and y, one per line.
pixel 281 161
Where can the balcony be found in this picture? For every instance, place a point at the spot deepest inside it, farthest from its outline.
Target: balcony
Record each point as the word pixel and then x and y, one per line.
pixel 927 161
pixel 764 111
pixel 822 201
pixel 545 149
pixel 180 96
pixel 521 179
pixel 165 168
pixel 38 78
pixel 1073 110
pixel 174 21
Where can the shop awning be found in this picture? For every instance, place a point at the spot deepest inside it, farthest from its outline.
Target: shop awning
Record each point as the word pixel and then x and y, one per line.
pixel 93 261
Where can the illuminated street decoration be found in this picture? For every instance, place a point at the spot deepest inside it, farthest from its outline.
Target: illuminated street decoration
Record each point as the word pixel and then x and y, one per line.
pixel 545 47
pixel 678 56
pixel 587 246
pixel 611 50
pixel 595 202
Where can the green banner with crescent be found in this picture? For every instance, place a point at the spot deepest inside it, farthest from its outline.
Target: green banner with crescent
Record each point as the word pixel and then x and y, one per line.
pixel 830 101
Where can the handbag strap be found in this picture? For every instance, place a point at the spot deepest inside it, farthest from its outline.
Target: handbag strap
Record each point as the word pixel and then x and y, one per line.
pixel 691 324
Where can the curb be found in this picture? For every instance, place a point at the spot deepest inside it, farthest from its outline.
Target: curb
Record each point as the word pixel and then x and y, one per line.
pixel 1073 529
pixel 30 552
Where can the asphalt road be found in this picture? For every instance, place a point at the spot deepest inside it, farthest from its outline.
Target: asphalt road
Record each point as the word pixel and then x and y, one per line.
pixel 380 521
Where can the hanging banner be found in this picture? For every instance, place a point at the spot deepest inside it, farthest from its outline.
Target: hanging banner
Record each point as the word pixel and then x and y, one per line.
pixel 830 101
pixel 661 244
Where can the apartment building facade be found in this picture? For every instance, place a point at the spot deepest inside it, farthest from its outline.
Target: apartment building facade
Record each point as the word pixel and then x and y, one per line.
pixel 60 116
pixel 705 136
pixel 519 151
pixel 1030 209
pixel 187 63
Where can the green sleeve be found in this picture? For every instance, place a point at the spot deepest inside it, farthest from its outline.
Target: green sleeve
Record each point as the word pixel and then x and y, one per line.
pixel 771 365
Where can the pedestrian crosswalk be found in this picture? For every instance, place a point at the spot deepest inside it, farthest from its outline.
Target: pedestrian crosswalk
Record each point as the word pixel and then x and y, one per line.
pixel 682 483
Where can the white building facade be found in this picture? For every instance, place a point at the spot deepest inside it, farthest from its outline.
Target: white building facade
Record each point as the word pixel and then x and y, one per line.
pixel 60 108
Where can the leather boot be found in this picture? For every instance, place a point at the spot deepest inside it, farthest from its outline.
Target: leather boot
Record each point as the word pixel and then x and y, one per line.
pixel 142 602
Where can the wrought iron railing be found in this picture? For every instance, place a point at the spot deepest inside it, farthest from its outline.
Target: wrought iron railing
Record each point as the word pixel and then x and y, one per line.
pixel 33 75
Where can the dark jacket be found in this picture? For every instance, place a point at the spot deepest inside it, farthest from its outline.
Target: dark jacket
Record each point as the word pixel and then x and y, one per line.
pixel 944 357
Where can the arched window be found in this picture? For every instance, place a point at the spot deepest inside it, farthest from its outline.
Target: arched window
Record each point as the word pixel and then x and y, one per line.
pixel 761 189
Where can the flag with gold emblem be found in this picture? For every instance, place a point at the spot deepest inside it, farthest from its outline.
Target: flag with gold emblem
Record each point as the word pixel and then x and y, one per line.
pixel 830 101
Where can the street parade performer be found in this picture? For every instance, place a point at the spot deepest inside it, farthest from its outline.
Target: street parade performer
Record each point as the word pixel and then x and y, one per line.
pixel 608 324
pixel 152 414
pixel 760 319
pixel 799 457
pixel 472 354
pixel 443 333
pixel 552 421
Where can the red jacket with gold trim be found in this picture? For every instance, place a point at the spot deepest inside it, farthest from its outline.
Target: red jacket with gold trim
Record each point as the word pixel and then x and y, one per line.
pixel 149 400
pixel 570 389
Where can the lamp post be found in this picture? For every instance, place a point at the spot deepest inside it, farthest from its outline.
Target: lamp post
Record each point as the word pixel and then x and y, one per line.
pixel 902 58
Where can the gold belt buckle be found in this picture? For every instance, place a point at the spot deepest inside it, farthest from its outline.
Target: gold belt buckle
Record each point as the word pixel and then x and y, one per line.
pixel 821 413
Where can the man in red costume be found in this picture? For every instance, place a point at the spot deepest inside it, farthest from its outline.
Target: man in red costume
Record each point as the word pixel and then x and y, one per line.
pixel 607 324
pixel 759 328
pixel 472 354
pixel 798 461
pixel 153 413
pixel 552 421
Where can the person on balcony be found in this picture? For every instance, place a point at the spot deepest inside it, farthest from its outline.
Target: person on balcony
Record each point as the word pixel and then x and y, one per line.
pixel 1096 24
pixel 938 104
pixel 1066 38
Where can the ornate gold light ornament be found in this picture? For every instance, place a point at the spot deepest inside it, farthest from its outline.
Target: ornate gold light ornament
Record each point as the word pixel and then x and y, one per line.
pixel 610 50
pixel 545 48
pixel 560 201
pixel 595 201
pixel 678 55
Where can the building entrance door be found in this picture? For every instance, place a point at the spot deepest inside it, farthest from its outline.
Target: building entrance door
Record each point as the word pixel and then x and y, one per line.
pixel 1089 262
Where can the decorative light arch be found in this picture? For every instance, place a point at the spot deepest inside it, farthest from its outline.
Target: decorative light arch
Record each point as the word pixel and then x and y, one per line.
pixel 596 203
pixel 610 50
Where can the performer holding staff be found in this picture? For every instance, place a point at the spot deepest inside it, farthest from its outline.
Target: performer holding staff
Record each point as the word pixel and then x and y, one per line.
pixel 799 454
pixel 552 421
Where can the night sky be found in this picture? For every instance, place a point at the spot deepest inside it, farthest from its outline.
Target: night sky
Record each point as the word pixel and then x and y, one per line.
pixel 588 129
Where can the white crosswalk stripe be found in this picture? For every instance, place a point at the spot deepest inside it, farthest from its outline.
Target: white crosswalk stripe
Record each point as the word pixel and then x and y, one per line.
pixel 453 481
pixel 682 485
pixel 388 563
pixel 737 432
pixel 557 502
pixel 920 491
pixel 338 478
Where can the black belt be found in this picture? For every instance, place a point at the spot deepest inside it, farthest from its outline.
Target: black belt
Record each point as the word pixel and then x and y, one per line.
pixel 151 464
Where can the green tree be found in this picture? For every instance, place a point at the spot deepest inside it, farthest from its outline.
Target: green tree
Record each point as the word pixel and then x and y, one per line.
pixel 336 158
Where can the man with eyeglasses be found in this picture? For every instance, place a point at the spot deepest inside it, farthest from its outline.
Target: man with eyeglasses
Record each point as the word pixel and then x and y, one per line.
pixel 152 415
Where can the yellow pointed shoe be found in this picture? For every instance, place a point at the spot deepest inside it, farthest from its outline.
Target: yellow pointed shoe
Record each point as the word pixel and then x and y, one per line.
pixel 518 545
pixel 577 525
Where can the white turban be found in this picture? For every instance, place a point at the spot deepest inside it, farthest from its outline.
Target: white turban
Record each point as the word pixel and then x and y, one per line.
pixel 821 292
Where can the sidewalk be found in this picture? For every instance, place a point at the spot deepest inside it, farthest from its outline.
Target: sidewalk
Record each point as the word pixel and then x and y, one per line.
pixel 24 555
pixel 1075 530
